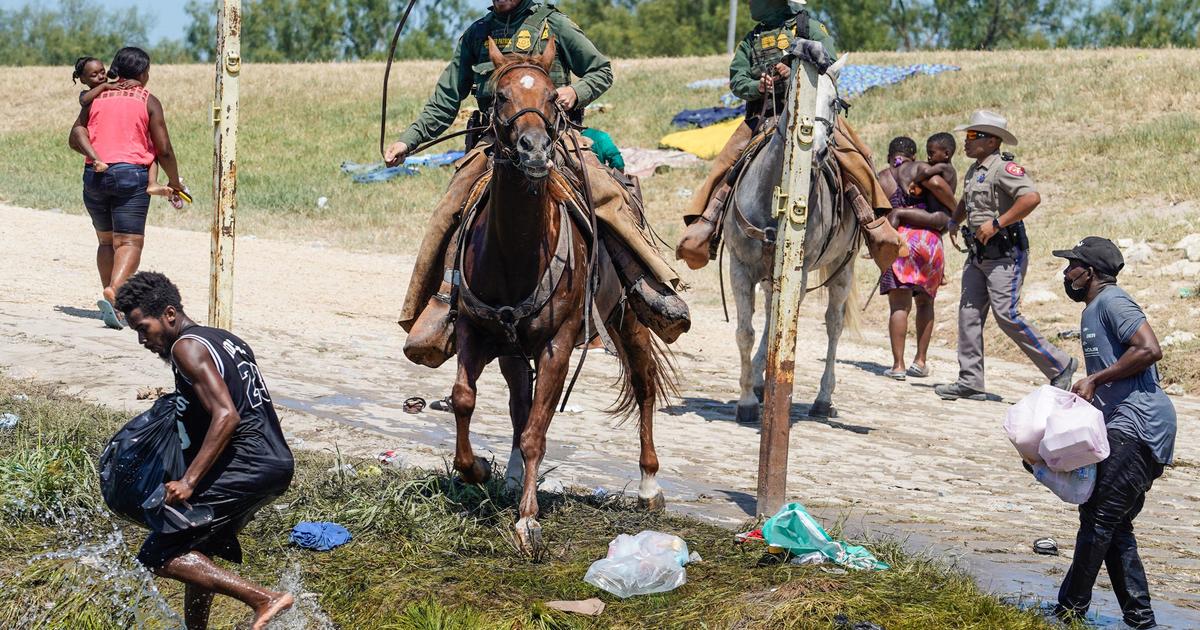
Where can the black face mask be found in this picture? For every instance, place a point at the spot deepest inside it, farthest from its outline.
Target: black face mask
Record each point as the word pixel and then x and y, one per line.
pixel 1076 295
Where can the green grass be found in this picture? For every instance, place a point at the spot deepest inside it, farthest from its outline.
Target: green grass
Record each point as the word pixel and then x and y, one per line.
pixel 1098 127
pixel 428 552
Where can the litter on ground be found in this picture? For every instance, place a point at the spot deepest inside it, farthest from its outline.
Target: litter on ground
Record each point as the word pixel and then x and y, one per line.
pixel 650 562
pixel 319 535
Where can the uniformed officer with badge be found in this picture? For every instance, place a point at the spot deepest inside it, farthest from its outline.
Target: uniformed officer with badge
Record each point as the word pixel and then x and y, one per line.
pixel 997 197
pixel 758 76
pixel 525 27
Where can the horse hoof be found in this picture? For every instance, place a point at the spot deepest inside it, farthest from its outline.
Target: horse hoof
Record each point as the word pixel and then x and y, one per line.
pixel 822 410
pixel 529 535
pixel 748 414
pixel 758 392
pixel 656 503
pixel 479 473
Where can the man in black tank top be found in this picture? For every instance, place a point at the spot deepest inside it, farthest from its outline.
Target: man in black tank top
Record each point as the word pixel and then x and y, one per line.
pixel 237 459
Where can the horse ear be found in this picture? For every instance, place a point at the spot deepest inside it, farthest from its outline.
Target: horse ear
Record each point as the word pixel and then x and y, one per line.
pixel 547 58
pixel 835 70
pixel 494 54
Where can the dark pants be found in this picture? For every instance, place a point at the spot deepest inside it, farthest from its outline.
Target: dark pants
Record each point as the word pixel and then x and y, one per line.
pixel 1106 533
pixel 117 199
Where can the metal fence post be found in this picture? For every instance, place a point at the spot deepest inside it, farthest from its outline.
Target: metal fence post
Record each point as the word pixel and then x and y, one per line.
pixel 225 126
pixel 791 207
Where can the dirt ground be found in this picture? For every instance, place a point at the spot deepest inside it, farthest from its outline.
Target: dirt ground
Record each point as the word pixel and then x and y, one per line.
pixel 321 321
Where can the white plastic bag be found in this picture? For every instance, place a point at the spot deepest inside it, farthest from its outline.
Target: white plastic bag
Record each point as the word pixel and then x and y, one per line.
pixel 1075 486
pixel 1025 423
pixel 1075 435
pixel 650 562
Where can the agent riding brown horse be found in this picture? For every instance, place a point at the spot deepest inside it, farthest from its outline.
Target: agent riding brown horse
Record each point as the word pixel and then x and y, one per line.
pixel 524 266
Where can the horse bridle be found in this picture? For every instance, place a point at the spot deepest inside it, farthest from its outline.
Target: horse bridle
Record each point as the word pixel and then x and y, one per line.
pixel 502 127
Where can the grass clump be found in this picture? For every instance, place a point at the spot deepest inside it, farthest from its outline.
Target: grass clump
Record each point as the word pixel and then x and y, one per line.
pixel 428 552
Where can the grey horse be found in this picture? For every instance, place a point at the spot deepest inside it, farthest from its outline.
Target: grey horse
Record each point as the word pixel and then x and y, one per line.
pixel 831 247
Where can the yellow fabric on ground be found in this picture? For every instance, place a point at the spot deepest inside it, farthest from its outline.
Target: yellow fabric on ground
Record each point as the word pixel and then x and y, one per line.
pixel 705 142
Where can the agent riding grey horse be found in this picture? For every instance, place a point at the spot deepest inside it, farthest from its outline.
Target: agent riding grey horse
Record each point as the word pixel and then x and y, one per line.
pixel 831 247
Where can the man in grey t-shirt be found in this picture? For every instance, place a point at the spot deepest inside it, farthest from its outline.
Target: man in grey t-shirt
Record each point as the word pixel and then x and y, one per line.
pixel 1120 351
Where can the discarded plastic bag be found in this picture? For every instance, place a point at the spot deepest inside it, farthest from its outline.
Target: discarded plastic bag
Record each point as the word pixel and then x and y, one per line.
pixel 140 458
pixel 650 562
pixel 1075 435
pixel 794 529
pixel 1025 423
pixel 1075 486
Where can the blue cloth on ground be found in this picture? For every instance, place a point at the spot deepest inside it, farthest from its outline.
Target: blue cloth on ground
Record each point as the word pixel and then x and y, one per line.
pixel 853 81
pixel 319 536
pixel 706 84
pixel 378 172
pixel 436 159
pixel 707 116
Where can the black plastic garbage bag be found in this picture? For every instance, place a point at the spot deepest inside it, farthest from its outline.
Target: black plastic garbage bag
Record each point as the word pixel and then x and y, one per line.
pixel 140 458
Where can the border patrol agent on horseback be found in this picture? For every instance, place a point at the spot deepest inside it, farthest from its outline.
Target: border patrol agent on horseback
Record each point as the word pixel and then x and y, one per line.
pixel 997 196
pixel 756 75
pixel 525 27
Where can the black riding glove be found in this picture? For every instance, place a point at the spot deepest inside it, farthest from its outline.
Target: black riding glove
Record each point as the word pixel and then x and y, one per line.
pixel 812 52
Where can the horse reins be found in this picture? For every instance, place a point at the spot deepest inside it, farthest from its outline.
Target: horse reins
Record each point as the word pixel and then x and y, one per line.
pixel 509 317
pixel 387 72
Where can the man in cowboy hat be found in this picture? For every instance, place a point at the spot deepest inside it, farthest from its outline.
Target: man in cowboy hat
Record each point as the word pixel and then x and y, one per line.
pixel 997 197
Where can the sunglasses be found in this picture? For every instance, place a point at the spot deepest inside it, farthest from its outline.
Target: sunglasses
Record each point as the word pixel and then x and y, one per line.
pixel 976 135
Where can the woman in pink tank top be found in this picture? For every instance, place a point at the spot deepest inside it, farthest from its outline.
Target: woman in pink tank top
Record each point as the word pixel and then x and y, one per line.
pixel 124 128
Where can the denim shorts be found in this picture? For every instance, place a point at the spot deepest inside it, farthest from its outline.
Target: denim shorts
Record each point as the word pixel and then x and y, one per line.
pixel 117 199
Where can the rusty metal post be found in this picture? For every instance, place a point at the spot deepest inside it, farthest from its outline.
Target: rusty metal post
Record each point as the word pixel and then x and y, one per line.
pixel 791 207
pixel 225 125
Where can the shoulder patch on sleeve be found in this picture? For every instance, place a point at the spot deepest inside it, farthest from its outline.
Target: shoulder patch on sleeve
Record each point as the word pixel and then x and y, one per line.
pixel 1015 169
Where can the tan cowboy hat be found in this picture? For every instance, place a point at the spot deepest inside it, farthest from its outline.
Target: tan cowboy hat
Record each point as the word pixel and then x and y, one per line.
pixel 990 123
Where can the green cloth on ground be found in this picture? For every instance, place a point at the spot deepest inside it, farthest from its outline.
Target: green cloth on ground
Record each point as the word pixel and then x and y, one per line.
pixel 604 148
pixel 794 529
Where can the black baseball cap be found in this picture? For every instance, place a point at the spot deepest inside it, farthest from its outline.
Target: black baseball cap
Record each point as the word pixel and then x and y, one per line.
pixel 1098 253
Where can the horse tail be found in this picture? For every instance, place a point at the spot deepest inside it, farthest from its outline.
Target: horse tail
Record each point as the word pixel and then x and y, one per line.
pixel 666 378
pixel 853 311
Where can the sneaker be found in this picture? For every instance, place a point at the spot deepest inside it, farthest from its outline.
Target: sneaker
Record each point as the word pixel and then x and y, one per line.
pixel 954 391
pixel 1064 379
pixel 897 375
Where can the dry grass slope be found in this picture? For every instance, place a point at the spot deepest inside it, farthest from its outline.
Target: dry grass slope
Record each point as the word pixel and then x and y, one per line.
pixel 1110 136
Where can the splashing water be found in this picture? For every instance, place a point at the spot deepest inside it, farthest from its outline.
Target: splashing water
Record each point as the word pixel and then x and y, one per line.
pixel 103 569
pixel 306 613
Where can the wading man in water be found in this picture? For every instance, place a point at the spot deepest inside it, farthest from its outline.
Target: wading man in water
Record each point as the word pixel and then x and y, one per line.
pixel 237 460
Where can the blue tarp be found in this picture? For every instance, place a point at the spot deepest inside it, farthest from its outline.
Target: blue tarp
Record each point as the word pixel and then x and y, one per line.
pixel 377 172
pixel 853 81
pixel 707 116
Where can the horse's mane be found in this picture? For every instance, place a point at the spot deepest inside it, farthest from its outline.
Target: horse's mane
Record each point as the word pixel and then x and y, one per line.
pixel 558 187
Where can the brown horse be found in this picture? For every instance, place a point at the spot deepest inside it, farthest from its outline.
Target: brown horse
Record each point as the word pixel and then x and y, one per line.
pixel 524 270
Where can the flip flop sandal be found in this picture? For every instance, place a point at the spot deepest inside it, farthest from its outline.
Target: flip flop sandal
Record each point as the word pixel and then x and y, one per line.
pixel 416 404
pixel 917 372
pixel 109 315
pixel 1045 547
pixel 441 405
pixel 896 375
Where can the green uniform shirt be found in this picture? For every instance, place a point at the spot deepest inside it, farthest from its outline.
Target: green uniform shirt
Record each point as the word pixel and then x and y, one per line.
pixel 992 187
pixel 765 46
pixel 470 68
